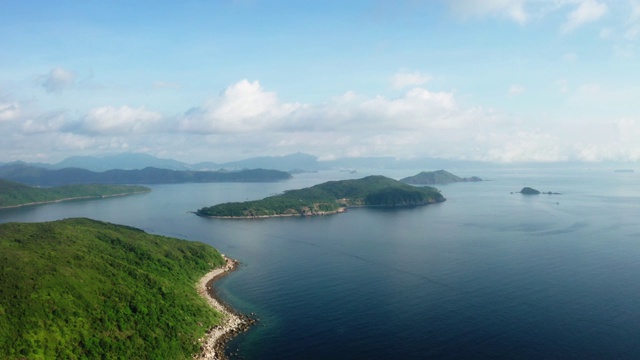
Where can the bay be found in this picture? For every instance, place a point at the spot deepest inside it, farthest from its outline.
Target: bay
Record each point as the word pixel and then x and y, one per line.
pixel 488 273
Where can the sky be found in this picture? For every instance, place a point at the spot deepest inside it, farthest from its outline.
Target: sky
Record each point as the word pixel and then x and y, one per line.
pixel 489 80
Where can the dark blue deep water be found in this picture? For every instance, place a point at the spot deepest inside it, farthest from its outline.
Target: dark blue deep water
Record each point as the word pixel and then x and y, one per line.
pixel 486 274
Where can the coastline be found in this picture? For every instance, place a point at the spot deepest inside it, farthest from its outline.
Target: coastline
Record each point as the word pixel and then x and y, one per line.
pixel 212 344
pixel 320 213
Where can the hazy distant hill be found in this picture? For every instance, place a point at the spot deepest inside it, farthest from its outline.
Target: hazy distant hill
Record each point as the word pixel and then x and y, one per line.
pixel 135 161
pixel 436 177
pixel 297 161
pixel 128 161
pixel 44 177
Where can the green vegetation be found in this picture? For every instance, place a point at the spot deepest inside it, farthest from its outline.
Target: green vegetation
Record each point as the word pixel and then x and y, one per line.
pixel 32 175
pixel 436 177
pixel 79 288
pixel 329 197
pixel 14 194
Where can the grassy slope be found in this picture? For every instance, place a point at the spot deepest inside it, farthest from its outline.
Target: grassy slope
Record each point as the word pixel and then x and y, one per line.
pixel 80 288
pixel 15 194
pixel 330 196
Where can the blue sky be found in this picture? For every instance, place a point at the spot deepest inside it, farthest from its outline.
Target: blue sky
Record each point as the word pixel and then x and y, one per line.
pixel 492 80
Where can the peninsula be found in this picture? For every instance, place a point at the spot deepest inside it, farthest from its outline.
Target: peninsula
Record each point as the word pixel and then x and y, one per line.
pixel 14 194
pixel 329 198
pixel 37 176
pixel 436 177
pixel 80 288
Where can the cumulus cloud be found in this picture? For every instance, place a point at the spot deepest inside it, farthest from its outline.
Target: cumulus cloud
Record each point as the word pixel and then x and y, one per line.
pixel 248 120
pixel 58 80
pixel 586 12
pixel 243 107
pixel 405 79
pixel 119 120
pixel 523 11
pixel 9 111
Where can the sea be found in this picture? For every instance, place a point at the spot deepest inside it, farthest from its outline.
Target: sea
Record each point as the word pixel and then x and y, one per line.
pixel 489 273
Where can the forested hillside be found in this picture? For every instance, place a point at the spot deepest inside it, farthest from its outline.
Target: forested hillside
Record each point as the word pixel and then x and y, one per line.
pixel 15 194
pixel 79 288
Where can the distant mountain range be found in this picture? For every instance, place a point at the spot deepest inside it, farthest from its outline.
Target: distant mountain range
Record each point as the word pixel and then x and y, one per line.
pixel 292 163
pixel 37 176
pixel 135 161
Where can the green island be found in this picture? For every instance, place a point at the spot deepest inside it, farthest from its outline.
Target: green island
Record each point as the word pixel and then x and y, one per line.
pixel 437 177
pixel 80 288
pixel 14 194
pixel 328 198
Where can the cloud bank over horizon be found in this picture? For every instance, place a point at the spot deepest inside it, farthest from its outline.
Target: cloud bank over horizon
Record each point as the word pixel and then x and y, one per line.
pixel 560 86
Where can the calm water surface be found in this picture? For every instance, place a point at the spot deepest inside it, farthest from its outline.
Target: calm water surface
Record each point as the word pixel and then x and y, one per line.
pixel 485 274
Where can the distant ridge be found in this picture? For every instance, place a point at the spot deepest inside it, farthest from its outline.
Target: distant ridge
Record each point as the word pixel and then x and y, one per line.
pixel 436 177
pixel 43 177
pixel 13 194
pixel 128 161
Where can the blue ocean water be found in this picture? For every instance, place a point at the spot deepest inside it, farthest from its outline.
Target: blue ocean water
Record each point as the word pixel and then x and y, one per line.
pixel 486 274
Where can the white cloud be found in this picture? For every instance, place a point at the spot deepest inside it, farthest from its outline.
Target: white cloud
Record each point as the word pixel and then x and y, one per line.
pixel 48 123
pixel 512 9
pixel 9 111
pixel 586 12
pixel 57 80
pixel 589 89
pixel 122 120
pixel 405 79
pixel 248 120
pixel 524 146
pixel 243 107
pixel 516 90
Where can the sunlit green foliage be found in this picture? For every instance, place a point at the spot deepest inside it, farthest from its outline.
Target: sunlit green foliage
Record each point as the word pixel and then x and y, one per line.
pixel 14 194
pixel 80 288
pixel 330 196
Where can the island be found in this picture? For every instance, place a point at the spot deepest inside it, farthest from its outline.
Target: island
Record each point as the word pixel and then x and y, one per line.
pixel 14 194
pixel 84 289
pixel 32 175
pixel 531 191
pixel 329 198
pixel 436 177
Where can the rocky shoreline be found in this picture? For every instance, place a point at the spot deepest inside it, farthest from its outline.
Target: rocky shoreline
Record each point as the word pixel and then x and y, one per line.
pixel 317 213
pixel 233 323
